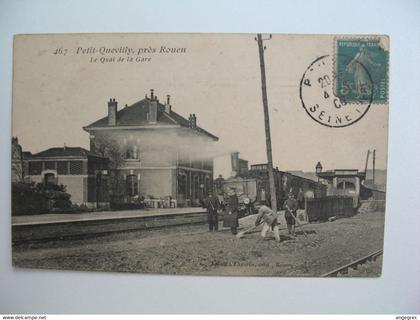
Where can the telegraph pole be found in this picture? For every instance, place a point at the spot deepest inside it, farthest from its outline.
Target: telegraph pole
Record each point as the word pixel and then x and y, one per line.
pixel 367 161
pixel 374 159
pixel 267 124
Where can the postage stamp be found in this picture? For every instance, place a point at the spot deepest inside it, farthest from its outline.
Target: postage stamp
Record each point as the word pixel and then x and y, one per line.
pixel 360 61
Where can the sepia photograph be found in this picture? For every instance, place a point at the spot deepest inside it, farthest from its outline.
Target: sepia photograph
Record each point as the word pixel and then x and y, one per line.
pixel 208 154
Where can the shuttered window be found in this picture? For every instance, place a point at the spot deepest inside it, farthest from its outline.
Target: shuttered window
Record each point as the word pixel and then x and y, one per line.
pixel 35 167
pixel 75 167
pixel 62 167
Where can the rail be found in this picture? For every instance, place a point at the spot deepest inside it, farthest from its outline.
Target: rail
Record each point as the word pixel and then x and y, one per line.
pixel 344 269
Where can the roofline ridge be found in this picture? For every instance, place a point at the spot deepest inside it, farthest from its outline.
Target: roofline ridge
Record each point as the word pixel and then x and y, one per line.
pixel 170 118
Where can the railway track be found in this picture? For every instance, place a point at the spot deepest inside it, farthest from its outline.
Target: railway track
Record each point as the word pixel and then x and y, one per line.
pixel 354 265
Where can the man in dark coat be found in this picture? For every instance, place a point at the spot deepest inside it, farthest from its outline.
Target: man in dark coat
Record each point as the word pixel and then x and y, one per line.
pixel 230 217
pixel 212 205
pixel 291 206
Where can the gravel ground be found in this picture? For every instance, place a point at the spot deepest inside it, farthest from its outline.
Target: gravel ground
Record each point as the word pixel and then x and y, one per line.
pixel 194 250
pixel 368 269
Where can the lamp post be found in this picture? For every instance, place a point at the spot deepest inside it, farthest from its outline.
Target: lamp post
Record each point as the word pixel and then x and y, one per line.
pixel 318 169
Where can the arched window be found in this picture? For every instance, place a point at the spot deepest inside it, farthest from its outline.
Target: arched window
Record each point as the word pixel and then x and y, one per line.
pixel 49 178
pixel 340 186
pixel 346 186
pixel 350 186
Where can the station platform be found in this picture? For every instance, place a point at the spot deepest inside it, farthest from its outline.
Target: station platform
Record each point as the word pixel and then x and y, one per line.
pixel 59 226
pixel 52 218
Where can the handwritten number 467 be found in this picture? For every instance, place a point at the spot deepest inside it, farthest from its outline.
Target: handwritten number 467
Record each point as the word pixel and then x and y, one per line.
pixel 60 51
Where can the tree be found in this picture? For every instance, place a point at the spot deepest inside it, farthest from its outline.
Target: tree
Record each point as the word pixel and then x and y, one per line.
pixel 18 165
pixel 109 148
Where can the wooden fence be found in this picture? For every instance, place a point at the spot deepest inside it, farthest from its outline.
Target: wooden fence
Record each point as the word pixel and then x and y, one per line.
pixel 320 209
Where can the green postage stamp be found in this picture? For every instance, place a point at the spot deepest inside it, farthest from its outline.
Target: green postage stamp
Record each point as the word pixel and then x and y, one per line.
pixel 362 70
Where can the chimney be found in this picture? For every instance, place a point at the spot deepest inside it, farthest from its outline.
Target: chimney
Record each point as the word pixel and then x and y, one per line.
pixel 234 158
pixel 152 95
pixel 168 104
pixel 153 110
pixel 194 121
pixel 190 121
pixel 112 112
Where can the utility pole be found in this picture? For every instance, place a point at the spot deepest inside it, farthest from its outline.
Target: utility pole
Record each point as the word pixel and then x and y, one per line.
pixel 374 156
pixel 261 48
pixel 367 160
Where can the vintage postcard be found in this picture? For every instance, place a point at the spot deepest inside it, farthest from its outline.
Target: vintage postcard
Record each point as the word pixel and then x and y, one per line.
pixel 200 154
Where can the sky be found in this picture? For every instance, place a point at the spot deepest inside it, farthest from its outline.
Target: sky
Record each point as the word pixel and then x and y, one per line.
pixel 216 76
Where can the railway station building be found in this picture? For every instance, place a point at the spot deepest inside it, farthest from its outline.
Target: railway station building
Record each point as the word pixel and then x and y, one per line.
pixel 154 152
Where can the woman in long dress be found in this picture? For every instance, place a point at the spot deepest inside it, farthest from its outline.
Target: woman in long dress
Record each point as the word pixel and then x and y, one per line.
pixel 230 217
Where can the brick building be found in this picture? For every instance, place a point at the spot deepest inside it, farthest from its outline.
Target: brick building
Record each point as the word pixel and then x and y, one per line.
pixel 154 152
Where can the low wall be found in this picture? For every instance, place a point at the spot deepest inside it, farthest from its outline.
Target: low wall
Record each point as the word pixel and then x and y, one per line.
pixel 320 209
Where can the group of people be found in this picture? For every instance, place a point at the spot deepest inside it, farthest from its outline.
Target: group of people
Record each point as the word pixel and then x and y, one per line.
pixel 216 205
pixel 266 216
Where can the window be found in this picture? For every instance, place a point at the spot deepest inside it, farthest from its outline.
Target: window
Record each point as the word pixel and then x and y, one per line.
pixel 196 187
pixel 35 167
pixel 62 167
pixel 207 185
pixel 132 185
pixel 75 167
pixel 132 153
pixel 182 183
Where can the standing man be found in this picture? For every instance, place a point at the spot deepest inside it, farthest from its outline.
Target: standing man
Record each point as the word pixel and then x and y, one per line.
pixel 291 206
pixel 269 219
pixel 212 205
pixel 230 217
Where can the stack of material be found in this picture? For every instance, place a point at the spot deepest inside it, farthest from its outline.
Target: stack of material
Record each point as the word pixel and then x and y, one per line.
pixel 367 206
pixel 248 221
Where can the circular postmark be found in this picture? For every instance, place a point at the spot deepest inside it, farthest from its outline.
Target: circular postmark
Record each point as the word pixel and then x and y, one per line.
pixel 330 106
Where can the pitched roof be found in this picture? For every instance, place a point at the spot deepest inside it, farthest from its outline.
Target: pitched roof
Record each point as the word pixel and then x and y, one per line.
pixel 136 115
pixel 64 152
